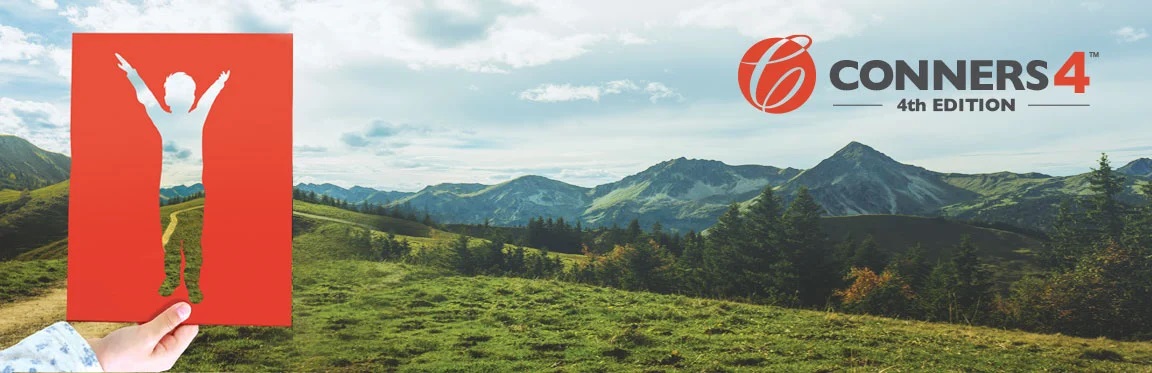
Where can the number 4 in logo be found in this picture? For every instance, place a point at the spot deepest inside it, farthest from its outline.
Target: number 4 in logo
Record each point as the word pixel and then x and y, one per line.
pixel 1075 66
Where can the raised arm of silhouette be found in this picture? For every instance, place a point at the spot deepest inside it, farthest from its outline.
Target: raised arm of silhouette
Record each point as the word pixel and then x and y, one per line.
pixel 143 94
pixel 209 96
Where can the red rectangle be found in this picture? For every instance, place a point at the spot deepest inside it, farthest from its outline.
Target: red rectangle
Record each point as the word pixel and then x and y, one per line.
pixel 116 256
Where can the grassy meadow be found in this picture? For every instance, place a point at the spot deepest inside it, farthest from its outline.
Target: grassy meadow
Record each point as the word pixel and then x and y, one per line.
pixel 352 314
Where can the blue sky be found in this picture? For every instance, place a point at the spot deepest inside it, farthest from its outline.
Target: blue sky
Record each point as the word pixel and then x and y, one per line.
pixel 399 95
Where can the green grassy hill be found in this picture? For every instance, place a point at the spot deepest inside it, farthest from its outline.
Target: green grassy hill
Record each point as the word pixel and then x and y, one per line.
pixel 897 233
pixel 1026 200
pixel 24 166
pixel 1010 255
pixel 381 223
pixel 54 250
pixel 355 315
pixel 351 314
pixel 20 279
pixel 32 219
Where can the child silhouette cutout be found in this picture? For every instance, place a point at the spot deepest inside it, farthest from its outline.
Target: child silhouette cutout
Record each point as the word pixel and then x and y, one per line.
pixel 181 131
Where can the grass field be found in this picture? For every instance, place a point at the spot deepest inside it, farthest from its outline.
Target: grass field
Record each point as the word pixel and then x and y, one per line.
pixel 54 250
pixel 29 223
pixel 354 315
pixel 381 223
pixel 357 315
pixel 351 314
pixel 8 196
pixel 20 279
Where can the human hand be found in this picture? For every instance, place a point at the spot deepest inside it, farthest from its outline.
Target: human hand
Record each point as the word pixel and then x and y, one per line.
pixel 224 76
pixel 124 65
pixel 153 346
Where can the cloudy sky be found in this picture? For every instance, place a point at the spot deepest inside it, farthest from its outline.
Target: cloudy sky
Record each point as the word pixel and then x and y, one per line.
pixel 402 94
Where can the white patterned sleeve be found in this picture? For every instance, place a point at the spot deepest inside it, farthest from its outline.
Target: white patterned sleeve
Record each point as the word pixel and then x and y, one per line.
pixel 57 348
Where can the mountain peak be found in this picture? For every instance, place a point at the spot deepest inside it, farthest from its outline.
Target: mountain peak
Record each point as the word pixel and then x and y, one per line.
pixel 533 180
pixel 24 165
pixel 1140 167
pixel 686 163
pixel 860 152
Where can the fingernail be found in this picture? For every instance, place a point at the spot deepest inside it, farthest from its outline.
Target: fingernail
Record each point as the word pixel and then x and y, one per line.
pixel 184 310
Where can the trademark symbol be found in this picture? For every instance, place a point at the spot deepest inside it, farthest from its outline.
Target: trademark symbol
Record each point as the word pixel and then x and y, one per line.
pixel 1093 54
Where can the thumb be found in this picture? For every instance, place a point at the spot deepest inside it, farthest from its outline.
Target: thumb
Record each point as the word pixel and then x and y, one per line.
pixel 166 321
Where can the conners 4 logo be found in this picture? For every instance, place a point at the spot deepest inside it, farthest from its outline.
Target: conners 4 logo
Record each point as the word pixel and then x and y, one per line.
pixel 777 75
pixel 787 77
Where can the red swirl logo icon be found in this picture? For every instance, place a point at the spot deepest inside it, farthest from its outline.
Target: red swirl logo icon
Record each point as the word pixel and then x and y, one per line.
pixel 787 78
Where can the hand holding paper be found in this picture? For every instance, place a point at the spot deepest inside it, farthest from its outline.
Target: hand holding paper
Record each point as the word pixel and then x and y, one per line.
pixel 153 346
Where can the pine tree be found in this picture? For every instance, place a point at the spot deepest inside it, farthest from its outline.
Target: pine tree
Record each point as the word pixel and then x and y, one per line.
pixel 973 287
pixel 494 258
pixel 646 267
pixel 1069 240
pixel 634 232
pixel 463 259
pixel 768 272
pixel 723 261
pixel 843 252
pixel 937 300
pixel 692 256
pixel 912 266
pixel 515 263
pixel 806 245
pixel 1138 232
pixel 1107 212
pixel 868 255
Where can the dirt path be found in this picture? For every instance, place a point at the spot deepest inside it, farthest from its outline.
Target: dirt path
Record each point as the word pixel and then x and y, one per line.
pixel 335 220
pixel 20 319
pixel 172 221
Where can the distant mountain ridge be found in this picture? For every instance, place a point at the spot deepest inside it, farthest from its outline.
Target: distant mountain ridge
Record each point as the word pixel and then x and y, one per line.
pixel 684 194
pixel 1141 168
pixel 681 193
pixel 355 194
pixel 24 166
pixel 859 180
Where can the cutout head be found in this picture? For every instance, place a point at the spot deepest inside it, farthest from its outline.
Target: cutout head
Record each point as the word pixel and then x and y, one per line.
pixel 179 92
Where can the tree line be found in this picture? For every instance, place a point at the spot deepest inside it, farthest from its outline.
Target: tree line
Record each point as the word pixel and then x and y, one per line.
pixel 181 199
pixel 562 236
pixel 1096 278
pixel 402 211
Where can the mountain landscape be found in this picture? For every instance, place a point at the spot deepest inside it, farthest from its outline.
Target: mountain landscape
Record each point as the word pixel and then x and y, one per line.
pixel 447 299
pixel 681 194
pixel 689 194
pixel 24 166
pixel 1141 167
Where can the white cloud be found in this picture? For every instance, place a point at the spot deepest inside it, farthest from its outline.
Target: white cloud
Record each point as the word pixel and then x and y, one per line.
pixel 17 45
pixel 821 19
pixel 42 123
pixel 567 92
pixel 658 91
pixel 561 92
pixel 617 86
pixel 62 57
pixel 45 4
pixel 330 33
pixel 1129 34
